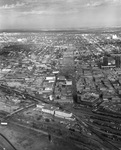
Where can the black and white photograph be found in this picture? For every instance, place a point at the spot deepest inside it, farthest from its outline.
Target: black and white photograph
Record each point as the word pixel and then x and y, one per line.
pixel 60 74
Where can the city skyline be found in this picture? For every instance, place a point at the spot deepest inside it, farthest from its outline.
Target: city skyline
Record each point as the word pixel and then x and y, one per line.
pixel 59 14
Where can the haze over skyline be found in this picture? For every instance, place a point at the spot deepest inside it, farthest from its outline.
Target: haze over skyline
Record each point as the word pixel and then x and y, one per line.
pixel 59 14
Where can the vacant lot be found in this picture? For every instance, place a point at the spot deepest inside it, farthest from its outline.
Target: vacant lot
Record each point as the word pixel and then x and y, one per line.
pixel 25 139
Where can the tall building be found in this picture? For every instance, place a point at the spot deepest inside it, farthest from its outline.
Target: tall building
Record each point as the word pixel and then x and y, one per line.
pixel 117 58
pixel 105 61
pixel 118 61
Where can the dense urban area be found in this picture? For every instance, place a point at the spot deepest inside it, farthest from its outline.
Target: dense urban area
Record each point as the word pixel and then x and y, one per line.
pixel 60 91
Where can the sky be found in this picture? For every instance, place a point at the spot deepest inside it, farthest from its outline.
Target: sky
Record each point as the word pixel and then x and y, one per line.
pixel 59 14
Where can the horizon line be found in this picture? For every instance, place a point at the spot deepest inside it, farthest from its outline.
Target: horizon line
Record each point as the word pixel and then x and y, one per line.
pixel 60 30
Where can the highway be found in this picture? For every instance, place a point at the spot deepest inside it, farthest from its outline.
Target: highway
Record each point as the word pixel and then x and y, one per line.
pixel 5 144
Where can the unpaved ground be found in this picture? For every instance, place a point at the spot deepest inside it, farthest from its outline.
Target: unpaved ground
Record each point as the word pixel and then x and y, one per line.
pixel 25 139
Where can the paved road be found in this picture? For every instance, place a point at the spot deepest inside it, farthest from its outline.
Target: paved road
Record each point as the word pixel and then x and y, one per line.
pixel 5 144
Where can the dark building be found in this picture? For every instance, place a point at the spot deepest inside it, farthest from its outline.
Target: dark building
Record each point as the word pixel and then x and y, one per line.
pixel 117 58
pixel 118 61
pixel 105 61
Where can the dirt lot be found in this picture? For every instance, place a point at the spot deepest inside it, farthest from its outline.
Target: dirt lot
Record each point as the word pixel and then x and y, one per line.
pixel 25 139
